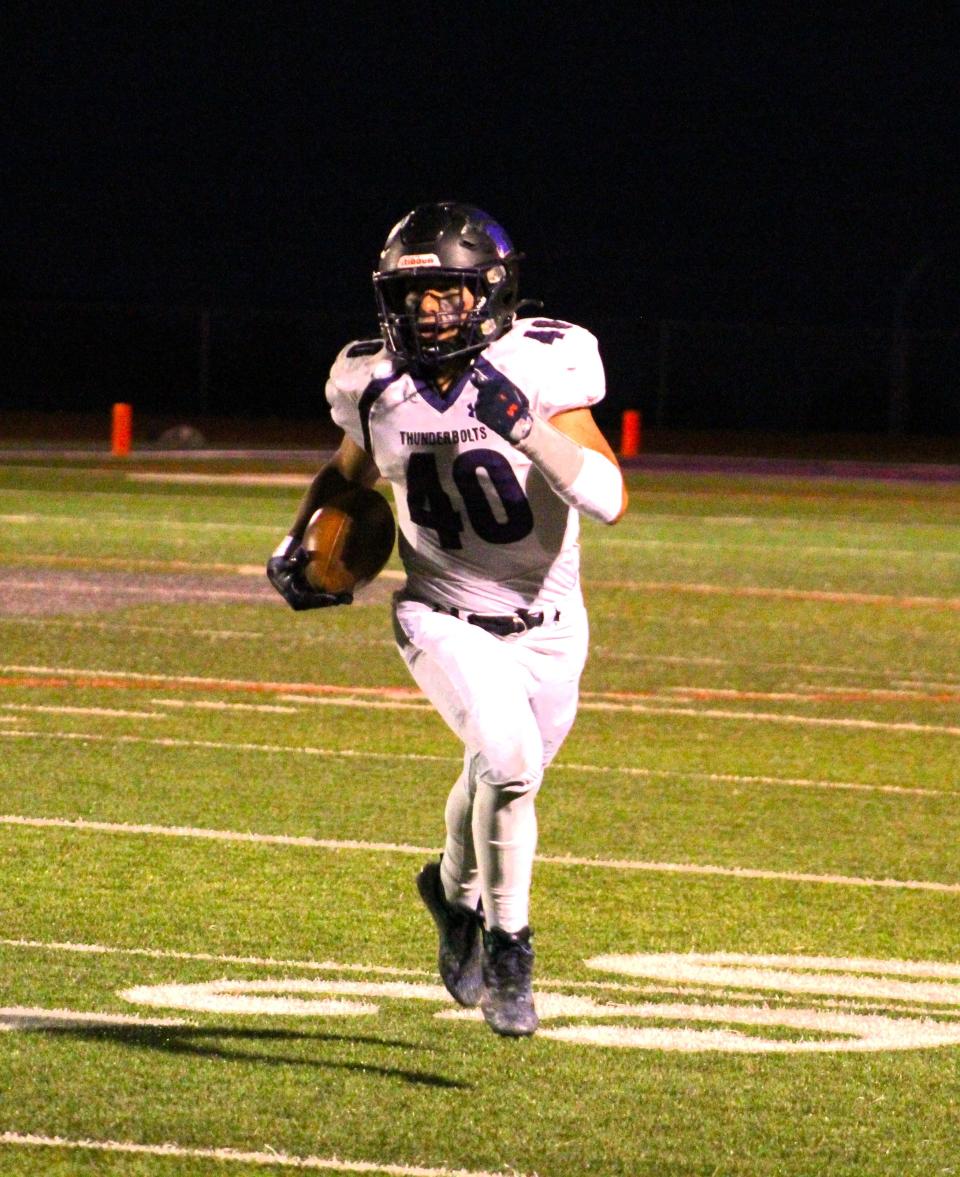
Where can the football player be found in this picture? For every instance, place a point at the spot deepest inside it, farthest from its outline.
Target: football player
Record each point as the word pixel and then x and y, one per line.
pixel 482 423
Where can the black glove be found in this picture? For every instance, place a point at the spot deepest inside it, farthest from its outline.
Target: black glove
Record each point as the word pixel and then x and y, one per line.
pixel 285 572
pixel 500 404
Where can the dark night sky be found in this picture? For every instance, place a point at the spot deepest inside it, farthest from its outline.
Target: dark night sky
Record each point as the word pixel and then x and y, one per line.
pixel 721 161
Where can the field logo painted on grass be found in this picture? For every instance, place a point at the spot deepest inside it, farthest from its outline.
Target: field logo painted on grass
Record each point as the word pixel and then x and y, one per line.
pixel 681 1026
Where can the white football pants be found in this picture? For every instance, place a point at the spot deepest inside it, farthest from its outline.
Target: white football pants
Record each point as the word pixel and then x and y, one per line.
pixel 512 702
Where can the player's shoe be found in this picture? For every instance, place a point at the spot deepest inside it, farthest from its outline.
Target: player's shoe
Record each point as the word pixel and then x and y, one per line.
pixel 507 1000
pixel 459 928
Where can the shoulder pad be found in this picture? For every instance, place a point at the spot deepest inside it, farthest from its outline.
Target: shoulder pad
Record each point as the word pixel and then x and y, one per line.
pixel 364 347
pixel 359 363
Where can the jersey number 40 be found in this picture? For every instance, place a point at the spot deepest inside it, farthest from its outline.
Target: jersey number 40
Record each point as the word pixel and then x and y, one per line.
pixel 430 506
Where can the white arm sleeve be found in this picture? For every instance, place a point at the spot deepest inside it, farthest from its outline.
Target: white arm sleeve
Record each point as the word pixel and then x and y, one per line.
pixel 583 478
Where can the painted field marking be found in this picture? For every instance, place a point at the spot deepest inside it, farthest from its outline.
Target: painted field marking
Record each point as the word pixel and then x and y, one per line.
pixel 131 564
pixel 545 983
pixel 605 864
pixel 834 976
pixel 929 693
pixel 592 701
pixel 136 591
pixel 187 479
pixel 719 976
pixel 116 626
pixel 777 717
pixel 320 997
pixel 784 594
pixel 952 685
pixel 131 521
pixel 53 709
pixel 230 746
pixel 23 1017
pixel 423 757
pixel 210 705
pixel 205 682
pixel 809 694
pixel 792 548
pixel 349 700
pixel 212 958
pixel 269 1158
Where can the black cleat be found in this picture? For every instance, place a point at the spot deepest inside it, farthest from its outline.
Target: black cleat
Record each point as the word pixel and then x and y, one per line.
pixel 459 928
pixel 507 1000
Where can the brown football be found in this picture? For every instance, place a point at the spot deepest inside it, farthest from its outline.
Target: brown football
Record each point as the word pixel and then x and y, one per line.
pixel 348 541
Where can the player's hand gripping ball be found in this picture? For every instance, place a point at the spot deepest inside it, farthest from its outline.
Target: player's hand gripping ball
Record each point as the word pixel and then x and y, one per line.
pixel 344 546
pixel 348 541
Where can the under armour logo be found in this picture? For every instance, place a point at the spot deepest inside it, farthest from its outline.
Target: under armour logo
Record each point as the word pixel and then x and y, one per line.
pixel 472 410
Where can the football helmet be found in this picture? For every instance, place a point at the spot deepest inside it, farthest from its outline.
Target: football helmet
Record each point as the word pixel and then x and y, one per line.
pixel 446 284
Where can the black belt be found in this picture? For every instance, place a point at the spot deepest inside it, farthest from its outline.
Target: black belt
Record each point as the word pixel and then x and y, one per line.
pixel 502 626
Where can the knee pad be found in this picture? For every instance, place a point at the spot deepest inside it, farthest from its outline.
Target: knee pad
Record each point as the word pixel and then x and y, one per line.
pixel 513 764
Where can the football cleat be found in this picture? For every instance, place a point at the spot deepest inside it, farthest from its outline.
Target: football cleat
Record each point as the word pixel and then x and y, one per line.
pixel 507 999
pixel 459 928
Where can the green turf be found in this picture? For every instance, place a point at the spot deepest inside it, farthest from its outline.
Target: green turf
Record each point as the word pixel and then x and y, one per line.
pixel 782 733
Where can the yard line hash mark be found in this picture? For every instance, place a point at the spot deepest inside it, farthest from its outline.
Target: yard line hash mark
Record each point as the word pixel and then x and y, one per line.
pixel 268 1158
pixel 606 864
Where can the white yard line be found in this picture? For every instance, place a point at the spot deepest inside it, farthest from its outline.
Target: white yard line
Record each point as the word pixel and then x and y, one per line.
pixel 213 958
pixel 116 626
pixel 24 1017
pixel 268 1158
pixel 802 693
pixel 187 479
pixel 136 591
pixel 781 548
pixel 109 712
pixel 776 717
pixel 891 673
pixel 952 685
pixel 226 745
pixel 129 522
pixel 348 700
pixel 558 766
pixel 209 705
pixel 785 594
pixel 891 967
pixel 605 864
pixel 187 680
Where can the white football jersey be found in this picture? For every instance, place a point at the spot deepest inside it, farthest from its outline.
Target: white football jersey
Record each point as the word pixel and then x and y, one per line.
pixel 480 528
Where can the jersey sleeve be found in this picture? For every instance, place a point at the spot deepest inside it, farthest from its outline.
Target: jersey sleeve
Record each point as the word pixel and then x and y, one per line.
pixel 357 365
pixel 569 371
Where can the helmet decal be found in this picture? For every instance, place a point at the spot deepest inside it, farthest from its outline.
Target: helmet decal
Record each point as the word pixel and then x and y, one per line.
pixel 418 259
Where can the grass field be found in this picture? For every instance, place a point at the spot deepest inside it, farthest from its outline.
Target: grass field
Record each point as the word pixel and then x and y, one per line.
pixel 212 958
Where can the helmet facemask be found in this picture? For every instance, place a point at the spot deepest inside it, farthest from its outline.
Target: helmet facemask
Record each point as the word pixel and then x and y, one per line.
pixel 434 314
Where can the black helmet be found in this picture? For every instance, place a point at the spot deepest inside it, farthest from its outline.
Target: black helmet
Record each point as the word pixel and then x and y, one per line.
pixel 444 246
